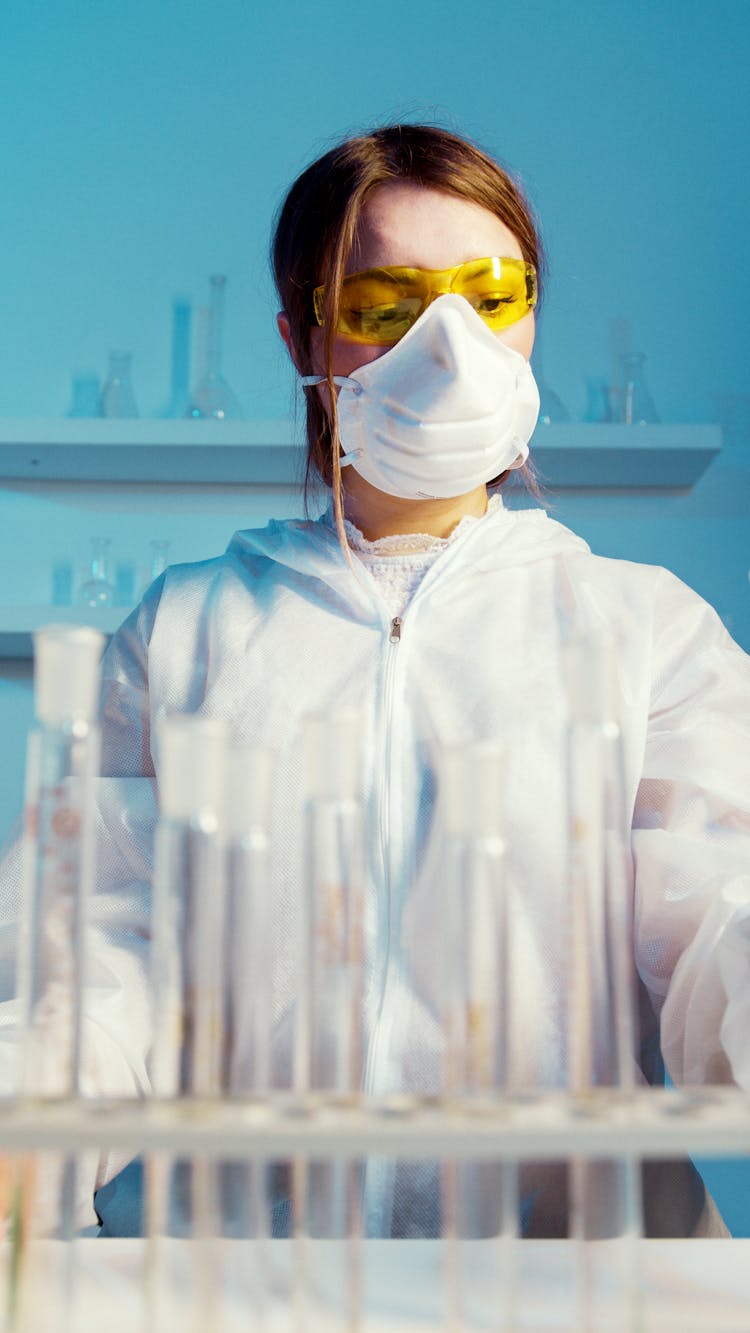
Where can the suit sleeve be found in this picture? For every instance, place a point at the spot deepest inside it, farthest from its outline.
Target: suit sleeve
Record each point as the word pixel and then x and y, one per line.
pixel 691 843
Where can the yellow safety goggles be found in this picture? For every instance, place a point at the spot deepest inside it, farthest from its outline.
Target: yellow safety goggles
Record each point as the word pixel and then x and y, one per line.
pixel 379 305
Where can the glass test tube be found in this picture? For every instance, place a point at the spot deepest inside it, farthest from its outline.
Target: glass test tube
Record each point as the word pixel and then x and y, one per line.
pixel 328 1054
pixel 188 989
pixel 62 766
pixel 479 1199
pixel 604 1196
pixel 247 1029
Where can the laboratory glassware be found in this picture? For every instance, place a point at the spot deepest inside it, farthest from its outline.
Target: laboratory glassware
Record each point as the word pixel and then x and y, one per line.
pixel 58 851
pixel 62 764
pixel 247 1184
pixel 98 589
pixel 158 561
pixel 179 390
pixel 637 405
pixel 117 396
pixel 601 992
pixel 188 986
pixel 478 1199
pixel 211 396
pixel 328 1057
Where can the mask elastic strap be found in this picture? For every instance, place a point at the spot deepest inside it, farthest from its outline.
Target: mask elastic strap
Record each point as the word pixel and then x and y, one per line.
pixel 343 381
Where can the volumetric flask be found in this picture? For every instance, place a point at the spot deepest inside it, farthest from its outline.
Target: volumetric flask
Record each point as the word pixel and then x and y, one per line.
pixel 98 589
pixel 211 396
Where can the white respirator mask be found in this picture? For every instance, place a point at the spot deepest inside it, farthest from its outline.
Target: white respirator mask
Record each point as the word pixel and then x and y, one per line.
pixel 445 410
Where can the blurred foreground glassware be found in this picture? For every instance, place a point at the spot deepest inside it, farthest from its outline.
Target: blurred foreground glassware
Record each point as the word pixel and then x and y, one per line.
pixel 211 395
pixel 477 1198
pixel 328 1056
pixel 188 992
pixel 117 396
pixel 98 589
pixel 58 851
pixel 605 1197
pixel 636 404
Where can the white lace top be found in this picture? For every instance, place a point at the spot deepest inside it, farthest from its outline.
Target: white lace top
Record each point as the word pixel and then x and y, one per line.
pixel 399 563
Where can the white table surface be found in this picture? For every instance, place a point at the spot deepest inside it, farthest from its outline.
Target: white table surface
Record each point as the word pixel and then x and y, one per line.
pixel 689 1286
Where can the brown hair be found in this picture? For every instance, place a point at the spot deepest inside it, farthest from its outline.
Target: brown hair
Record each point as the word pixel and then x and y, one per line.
pixel 315 231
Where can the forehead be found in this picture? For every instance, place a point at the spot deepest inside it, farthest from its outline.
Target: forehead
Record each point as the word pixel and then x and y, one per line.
pixel 411 225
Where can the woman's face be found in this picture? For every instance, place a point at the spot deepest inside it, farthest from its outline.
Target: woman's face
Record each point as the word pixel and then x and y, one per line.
pixel 412 226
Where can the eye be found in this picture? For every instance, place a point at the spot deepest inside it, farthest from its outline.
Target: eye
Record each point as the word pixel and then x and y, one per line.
pixel 490 305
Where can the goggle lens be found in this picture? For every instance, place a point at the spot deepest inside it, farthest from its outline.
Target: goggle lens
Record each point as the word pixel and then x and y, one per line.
pixel 380 305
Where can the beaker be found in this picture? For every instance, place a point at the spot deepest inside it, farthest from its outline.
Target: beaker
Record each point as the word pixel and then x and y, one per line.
pixel 98 589
pixel 117 397
pixel 211 395
pixel 637 405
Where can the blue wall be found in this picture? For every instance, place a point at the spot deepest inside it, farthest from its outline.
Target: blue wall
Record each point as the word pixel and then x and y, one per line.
pixel 145 145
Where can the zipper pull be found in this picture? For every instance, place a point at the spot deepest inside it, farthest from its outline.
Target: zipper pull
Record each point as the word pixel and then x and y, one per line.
pixel 395 635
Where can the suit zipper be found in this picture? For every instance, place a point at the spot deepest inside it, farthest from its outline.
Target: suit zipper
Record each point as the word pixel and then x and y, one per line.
pixel 394 639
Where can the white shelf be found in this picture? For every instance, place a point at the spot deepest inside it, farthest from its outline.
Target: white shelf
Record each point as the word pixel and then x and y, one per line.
pixel 17 623
pixel 233 452
pixel 571 455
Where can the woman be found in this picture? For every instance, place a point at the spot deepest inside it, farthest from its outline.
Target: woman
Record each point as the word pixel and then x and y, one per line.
pixel 407 265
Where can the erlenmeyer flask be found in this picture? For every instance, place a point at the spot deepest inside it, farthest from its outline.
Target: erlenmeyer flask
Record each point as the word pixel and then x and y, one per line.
pixel 117 396
pixel 211 395
pixel 98 590
pixel 637 404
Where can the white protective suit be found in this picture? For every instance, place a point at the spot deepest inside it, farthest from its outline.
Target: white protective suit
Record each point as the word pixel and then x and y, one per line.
pixel 280 626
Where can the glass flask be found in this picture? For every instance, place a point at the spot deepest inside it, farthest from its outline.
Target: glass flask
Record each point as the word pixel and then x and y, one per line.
pixel 211 395
pixel 98 590
pixel 637 405
pixel 117 396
